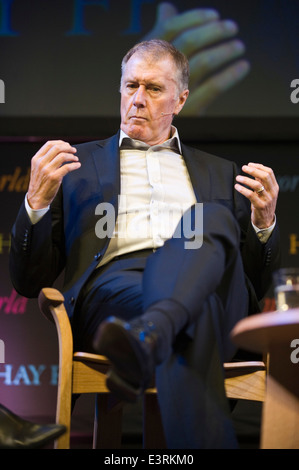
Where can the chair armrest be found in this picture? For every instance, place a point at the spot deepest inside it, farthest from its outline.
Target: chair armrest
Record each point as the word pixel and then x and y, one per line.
pixel 48 299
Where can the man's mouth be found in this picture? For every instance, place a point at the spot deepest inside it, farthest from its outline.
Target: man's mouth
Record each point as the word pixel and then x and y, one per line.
pixel 142 118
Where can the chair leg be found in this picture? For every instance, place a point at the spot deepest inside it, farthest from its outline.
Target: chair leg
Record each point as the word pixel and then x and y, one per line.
pixel 153 433
pixel 108 430
pixel 64 401
pixel 63 416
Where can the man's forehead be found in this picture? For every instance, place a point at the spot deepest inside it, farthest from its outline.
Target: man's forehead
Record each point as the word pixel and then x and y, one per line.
pixel 149 69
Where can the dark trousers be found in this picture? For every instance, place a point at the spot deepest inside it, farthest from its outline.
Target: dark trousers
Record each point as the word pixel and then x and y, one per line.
pixel 208 285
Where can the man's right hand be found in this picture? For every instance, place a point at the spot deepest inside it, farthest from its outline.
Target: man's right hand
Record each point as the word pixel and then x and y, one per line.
pixel 48 167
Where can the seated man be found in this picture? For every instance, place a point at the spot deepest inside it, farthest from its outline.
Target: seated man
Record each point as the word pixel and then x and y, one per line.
pixel 162 254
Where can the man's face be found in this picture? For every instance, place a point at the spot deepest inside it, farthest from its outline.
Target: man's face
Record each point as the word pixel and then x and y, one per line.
pixel 149 99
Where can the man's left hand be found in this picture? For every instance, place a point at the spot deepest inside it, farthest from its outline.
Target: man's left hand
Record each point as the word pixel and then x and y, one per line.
pixel 261 188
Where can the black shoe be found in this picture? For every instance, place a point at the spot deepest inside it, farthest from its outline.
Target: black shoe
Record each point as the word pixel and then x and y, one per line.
pixel 131 349
pixel 17 433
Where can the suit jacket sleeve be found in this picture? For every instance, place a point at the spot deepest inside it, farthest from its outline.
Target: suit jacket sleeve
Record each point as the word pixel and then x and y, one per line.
pixel 37 251
pixel 261 260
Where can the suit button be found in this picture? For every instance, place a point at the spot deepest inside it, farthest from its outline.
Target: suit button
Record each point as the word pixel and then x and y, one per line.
pixel 97 256
pixel 268 257
pixel 72 301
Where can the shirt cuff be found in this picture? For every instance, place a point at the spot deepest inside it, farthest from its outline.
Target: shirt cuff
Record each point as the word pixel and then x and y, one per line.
pixel 264 233
pixel 35 214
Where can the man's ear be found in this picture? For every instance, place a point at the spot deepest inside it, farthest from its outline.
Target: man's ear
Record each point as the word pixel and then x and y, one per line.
pixel 181 101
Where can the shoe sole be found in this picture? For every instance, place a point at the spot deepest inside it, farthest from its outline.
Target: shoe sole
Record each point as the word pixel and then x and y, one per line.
pixel 125 378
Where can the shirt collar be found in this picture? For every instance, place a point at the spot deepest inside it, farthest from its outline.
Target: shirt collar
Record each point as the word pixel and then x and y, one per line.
pixel 173 143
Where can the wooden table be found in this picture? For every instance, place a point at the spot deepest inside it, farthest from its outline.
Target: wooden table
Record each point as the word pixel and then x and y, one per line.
pixel 272 334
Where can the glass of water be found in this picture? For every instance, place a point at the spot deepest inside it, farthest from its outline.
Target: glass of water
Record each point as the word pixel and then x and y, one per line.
pixel 286 288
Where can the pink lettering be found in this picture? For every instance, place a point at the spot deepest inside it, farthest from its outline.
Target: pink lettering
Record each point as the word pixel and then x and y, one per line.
pixel 13 304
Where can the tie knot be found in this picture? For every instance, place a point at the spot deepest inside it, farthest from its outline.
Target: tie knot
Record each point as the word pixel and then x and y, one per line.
pixel 128 143
pixel 171 144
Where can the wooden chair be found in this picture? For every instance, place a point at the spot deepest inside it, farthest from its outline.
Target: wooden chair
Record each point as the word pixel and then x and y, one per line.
pixel 81 372
pixel 276 335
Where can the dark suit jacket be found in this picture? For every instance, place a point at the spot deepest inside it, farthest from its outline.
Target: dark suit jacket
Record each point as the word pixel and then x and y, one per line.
pixel 65 237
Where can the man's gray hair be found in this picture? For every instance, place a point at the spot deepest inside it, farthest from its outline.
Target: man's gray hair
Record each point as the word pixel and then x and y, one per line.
pixel 157 49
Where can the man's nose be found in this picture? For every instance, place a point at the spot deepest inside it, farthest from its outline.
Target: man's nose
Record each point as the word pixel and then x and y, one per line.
pixel 140 97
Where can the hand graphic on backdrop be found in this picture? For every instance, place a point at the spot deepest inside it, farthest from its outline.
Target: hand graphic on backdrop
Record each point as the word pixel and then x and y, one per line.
pixel 214 54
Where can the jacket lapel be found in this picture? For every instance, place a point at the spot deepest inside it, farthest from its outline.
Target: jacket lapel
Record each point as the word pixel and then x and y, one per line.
pixel 107 163
pixel 198 172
